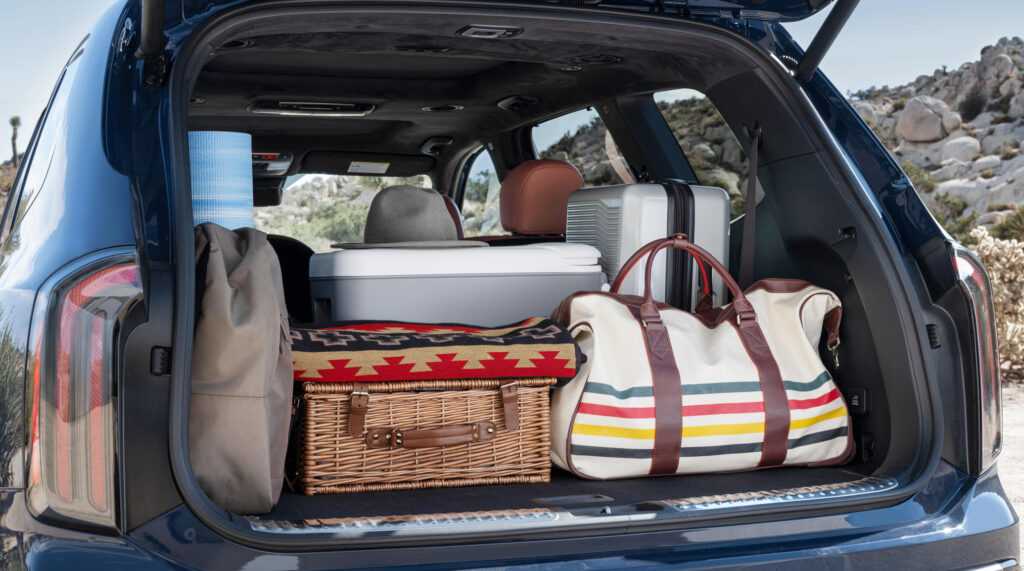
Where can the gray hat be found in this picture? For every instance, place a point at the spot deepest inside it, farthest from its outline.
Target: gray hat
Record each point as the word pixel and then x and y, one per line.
pixel 409 217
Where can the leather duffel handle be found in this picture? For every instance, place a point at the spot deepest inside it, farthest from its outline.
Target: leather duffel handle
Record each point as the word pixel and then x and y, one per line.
pixel 432 437
pixel 743 308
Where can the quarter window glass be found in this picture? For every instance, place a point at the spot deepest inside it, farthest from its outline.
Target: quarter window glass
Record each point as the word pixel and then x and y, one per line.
pixel 582 139
pixel 480 214
pixel 713 151
pixel 321 209
pixel 51 136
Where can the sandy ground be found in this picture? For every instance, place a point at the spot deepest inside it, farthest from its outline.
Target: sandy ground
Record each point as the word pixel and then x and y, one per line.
pixel 1011 459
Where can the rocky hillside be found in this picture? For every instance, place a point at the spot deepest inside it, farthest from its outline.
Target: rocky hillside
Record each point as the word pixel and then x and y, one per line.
pixel 7 172
pixel 714 153
pixel 963 131
pixel 323 209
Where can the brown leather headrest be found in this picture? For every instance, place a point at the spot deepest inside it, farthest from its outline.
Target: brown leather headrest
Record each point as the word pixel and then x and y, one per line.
pixel 535 195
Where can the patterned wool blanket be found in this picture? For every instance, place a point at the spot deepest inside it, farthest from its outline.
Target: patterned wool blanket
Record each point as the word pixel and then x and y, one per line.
pixel 371 352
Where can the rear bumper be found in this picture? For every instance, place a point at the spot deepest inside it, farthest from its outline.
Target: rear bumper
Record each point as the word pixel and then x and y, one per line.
pixel 954 522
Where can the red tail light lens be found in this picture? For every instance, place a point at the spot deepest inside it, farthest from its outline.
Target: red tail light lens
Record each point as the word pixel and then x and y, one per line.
pixel 984 394
pixel 72 436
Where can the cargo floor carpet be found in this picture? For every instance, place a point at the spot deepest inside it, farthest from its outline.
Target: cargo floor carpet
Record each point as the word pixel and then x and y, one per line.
pixel 564 490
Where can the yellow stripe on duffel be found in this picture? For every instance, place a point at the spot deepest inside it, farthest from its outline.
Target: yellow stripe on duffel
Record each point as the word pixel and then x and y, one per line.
pixel 696 431
pixel 613 431
pixel 688 431
pixel 807 422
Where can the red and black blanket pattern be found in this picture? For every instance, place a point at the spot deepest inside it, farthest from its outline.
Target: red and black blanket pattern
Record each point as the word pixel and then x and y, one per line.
pixel 371 352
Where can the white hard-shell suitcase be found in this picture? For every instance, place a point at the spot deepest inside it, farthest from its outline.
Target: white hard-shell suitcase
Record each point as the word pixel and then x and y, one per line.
pixel 618 220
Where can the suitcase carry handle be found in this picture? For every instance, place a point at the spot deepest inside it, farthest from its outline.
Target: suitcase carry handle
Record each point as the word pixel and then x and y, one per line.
pixel 679 242
pixel 432 437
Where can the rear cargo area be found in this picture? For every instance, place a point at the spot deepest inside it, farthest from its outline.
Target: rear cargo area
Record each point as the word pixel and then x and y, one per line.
pixel 801 221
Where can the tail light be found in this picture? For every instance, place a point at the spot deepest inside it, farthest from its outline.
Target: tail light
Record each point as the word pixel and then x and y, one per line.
pixel 71 469
pixel 981 363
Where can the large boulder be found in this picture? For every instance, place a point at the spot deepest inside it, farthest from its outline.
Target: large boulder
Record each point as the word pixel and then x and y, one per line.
pixel 921 120
pixel 961 149
pixel 999 135
pixel 1010 87
pixel 866 111
pixel 1002 64
pixel 951 169
pixel 704 152
pixel 1017 105
pixel 985 163
pixel 951 121
pixel 727 180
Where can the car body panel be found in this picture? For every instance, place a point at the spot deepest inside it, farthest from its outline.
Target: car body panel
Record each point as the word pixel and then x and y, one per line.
pixel 111 188
pixel 926 529
pixel 767 10
pixel 49 230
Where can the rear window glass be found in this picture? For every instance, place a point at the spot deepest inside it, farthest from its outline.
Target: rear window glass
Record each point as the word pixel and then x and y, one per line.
pixel 321 210
pixel 709 144
pixel 582 139
pixel 480 207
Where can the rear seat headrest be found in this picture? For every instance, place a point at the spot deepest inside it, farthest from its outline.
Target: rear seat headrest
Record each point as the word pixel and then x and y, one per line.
pixel 535 195
pixel 411 217
pixel 408 214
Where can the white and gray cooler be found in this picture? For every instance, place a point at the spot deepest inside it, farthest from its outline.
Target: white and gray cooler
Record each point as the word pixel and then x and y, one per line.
pixel 478 286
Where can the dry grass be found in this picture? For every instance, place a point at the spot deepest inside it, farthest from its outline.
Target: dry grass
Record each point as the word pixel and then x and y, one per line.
pixel 1004 260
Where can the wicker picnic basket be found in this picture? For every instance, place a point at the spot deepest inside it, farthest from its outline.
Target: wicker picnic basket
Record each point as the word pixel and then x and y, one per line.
pixel 361 434
pixel 334 461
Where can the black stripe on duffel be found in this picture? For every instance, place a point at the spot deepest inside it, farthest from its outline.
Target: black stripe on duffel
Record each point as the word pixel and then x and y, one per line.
pixel 581 450
pixel 817 437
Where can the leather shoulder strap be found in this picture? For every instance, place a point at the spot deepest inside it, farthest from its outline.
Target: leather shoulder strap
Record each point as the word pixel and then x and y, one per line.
pixel 667 385
pixel 775 445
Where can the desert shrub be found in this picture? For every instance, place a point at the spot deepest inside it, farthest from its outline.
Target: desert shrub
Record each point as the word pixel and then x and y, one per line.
pixel 1000 105
pixel 737 207
pixel 1008 152
pixel 1001 206
pixel 988 173
pixel 972 105
pixel 869 93
pixel 949 212
pixel 1011 228
pixel 899 104
pixel 922 180
pixel 1004 118
pixel 1004 260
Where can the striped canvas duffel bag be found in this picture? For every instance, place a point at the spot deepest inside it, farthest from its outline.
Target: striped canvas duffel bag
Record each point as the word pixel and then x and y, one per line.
pixel 665 391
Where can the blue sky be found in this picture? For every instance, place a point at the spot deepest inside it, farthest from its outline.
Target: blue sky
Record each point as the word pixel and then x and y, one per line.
pixel 886 42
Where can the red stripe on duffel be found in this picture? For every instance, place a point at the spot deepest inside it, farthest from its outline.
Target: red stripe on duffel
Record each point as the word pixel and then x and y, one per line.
pixel 704 409
pixel 800 404
pixel 689 410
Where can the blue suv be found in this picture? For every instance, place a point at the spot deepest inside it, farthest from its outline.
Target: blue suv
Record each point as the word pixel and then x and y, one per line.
pixel 98 293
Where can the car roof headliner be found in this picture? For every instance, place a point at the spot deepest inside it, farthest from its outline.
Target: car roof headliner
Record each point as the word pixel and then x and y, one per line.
pixel 402 65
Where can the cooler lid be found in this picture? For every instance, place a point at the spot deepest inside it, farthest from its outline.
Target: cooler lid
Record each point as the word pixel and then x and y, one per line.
pixel 554 258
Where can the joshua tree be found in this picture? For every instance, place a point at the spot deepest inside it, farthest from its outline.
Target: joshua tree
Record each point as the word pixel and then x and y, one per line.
pixel 15 123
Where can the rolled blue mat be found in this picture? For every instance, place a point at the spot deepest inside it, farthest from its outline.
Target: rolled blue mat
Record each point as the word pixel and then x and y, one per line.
pixel 221 164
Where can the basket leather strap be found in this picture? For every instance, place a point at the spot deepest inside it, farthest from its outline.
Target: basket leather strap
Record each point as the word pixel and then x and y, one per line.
pixel 358 404
pixel 510 405
pixel 432 437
